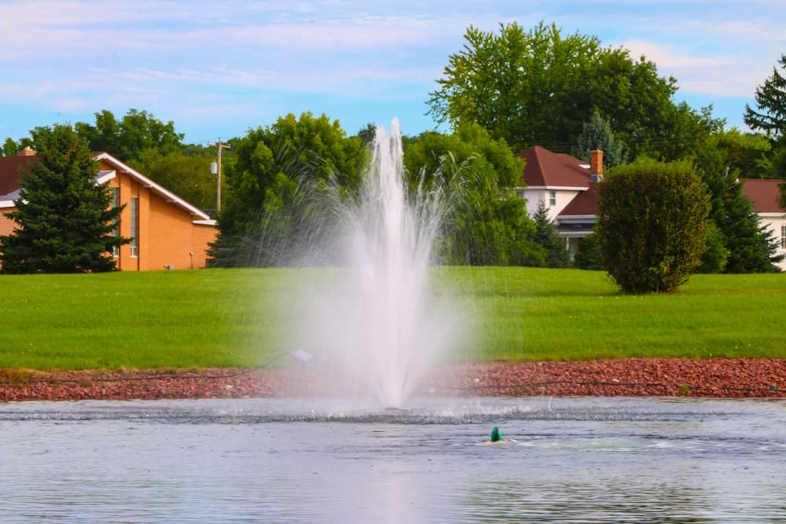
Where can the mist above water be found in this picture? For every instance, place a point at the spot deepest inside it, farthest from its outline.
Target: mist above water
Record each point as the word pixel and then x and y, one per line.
pixel 377 321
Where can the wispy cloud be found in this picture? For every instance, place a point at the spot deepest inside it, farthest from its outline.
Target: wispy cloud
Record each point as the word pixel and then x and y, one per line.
pixel 727 75
pixel 671 59
pixel 32 30
pixel 205 59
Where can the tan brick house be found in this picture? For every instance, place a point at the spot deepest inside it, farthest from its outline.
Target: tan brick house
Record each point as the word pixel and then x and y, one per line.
pixel 166 232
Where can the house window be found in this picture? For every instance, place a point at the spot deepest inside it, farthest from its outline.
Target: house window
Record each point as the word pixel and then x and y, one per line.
pixel 552 198
pixel 134 226
pixel 116 229
pixel 783 237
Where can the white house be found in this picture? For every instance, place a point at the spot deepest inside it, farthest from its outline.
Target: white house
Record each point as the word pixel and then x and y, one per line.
pixel 567 187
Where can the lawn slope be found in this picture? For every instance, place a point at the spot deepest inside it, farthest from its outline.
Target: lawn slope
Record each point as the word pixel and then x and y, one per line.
pixel 221 318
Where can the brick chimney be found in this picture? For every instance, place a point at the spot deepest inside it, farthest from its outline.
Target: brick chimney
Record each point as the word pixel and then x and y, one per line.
pixel 27 151
pixel 596 164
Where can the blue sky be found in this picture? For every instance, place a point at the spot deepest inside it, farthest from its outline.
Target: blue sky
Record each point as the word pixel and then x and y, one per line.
pixel 219 68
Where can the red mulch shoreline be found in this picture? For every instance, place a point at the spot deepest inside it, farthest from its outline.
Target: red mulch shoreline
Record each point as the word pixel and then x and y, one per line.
pixel 720 378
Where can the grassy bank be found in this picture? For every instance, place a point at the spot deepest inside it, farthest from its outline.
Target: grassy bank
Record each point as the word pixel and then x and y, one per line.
pixel 219 318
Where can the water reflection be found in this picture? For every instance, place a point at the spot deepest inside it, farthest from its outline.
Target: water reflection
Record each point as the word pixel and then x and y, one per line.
pixel 597 502
pixel 582 460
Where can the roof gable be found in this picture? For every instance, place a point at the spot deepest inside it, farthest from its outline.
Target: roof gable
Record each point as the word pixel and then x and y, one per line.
pixel 585 203
pixel 11 168
pixel 763 193
pixel 146 182
pixel 545 168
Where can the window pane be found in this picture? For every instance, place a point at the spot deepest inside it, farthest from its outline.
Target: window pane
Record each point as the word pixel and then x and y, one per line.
pixel 116 229
pixel 134 226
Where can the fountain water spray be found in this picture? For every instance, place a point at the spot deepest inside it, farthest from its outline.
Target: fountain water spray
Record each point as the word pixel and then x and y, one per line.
pixel 379 321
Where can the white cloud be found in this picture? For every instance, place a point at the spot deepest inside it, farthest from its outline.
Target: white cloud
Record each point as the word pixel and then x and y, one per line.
pixel 43 29
pixel 322 79
pixel 214 87
pixel 726 75
pixel 669 58
pixel 202 58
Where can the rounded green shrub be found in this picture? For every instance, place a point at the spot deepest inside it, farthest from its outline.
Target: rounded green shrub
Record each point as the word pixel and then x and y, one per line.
pixel 651 224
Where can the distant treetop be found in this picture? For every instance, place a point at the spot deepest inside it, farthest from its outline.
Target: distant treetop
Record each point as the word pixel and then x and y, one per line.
pixel 126 138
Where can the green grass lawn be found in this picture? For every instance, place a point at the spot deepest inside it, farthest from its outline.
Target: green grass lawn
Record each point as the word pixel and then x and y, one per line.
pixel 231 318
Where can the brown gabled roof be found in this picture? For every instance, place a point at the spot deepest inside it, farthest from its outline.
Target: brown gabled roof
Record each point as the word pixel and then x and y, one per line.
pixel 11 169
pixel 545 168
pixel 763 193
pixel 10 179
pixel 585 203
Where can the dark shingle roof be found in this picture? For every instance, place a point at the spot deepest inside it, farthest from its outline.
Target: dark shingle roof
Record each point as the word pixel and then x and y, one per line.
pixel 764 194
pixel 11 169
pixel 585 203
pixel 545 168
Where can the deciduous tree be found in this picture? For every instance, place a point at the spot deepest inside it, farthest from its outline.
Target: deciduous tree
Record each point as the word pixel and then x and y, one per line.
pixel 264 212
pixel 188 176
pixel 540 86
pixel 487 223
pixel 128 137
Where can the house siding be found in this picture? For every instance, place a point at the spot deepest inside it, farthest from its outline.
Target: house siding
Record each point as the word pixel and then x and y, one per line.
pixel 775 224
pixel 174 241
pixel 168 238
pixel 6 224
pixel 535 196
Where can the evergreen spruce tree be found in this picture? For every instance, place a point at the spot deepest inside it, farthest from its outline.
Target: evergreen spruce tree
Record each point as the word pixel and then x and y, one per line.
pixel 776 163
pixel 64 218
pixel 750 249
pixel 589 254
pixel 714 258
pixel 751 246
pixel 597 134
pixel 771 101
pixel 547 237
pixel 770 242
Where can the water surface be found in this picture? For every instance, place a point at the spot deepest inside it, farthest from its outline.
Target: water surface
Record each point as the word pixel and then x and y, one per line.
pixel 274 460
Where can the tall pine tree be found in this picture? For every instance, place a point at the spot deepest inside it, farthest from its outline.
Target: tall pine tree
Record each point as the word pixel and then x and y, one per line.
pixel 65 219
pixel 770 115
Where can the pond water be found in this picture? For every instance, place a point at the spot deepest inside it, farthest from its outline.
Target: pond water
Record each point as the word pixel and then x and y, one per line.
pixel 276 460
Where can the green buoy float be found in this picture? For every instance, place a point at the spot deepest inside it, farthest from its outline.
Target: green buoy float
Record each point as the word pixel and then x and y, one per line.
pixel 496 434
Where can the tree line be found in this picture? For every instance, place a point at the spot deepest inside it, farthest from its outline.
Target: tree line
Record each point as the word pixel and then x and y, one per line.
pixel 148 145
pixel 504 91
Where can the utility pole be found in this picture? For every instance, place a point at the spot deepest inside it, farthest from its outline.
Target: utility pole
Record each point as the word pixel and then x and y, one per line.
pixel 217 171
